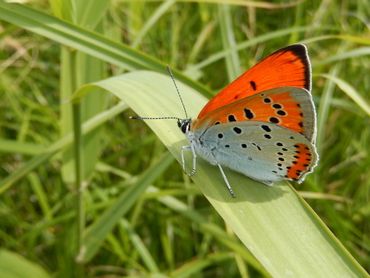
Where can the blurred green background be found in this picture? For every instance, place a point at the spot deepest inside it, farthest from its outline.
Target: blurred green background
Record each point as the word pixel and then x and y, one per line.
pixel 207 44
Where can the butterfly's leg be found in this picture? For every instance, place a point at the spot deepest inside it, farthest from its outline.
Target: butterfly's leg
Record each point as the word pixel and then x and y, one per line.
pixel 226 181
pixel 183 149
pixel 194 167
pixel 189 148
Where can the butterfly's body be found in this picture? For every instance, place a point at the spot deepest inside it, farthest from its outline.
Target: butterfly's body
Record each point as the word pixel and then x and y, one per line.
pixel 263 124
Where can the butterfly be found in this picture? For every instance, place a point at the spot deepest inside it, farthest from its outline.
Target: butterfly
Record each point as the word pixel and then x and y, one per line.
pixel 262 125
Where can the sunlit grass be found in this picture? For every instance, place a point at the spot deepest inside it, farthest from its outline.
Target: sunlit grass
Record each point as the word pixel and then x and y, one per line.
pixel 37 207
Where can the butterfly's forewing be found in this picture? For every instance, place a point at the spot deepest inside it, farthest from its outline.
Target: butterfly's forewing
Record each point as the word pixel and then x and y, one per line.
pixel 288 66
pixel 260 150
pixel 287 107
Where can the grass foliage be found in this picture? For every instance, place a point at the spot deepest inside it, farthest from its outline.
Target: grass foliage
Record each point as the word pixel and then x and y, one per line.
pixel 119 192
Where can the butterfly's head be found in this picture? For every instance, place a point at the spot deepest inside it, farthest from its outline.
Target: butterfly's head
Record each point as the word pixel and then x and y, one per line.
pixel 184 125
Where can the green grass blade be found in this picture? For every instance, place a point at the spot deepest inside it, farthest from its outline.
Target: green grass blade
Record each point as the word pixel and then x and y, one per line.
pixel 12 146
pixel 13 265
pixel 98 231
pixel 140 247
pixel 210 228
pixel 65 141
pixel 355 53
pixel 229 42
pixel 195 266
pixel 350 92
pixel 91 43
pixel 163 8
pixel 246 44
pixel 274 223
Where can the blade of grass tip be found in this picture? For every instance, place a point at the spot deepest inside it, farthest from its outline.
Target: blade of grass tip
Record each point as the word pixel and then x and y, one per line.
pixel 140 247
pixel 228 42
pixel 87 127
pixel 350 91
pixel 97 232
pixel 14 265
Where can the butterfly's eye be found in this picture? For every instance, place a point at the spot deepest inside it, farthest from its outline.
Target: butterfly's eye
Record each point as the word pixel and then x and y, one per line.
pixel 184 125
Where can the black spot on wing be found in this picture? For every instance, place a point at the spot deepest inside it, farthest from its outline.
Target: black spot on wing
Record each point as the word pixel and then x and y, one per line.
pixel 267 100
pixel 281 112
pixel 237 130
pixel 266 128
pixel 248 113
pixel 231 118
pixel 253 84
pixel 274 120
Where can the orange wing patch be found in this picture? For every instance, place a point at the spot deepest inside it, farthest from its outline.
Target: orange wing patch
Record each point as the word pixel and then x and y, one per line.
pixel 288 66
pixel 281 109
pixel 302 162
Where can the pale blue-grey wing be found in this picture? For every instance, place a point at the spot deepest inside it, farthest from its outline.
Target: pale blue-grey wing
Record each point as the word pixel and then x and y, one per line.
pixel 260 150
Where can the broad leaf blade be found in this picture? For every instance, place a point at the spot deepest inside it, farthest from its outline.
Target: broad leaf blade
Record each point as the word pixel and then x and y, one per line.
pixel 274 223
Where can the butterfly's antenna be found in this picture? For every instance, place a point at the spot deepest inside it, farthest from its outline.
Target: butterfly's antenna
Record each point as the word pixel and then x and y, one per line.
pixel 153 118
pixel 178 92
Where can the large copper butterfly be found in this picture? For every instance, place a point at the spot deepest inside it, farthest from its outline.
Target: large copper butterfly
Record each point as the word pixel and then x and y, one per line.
pixel 262 125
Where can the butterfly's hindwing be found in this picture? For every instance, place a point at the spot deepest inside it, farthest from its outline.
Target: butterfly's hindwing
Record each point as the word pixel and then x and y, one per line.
pixel 260 150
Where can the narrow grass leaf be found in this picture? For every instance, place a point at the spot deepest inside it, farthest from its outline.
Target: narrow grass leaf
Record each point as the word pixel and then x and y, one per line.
pixel 350 91
pixel 210 228
pixel 355 53
pixel 98 231
pixel 197 265
pixel 12 146
pixel 246 44
pixel 66 141
pixel 229 42
pixel 163 8
pixel 13 265
pixel 140 247
pixel 86 41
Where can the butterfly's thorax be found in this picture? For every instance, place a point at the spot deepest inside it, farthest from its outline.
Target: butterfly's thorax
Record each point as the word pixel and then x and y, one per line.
pixel 202 149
